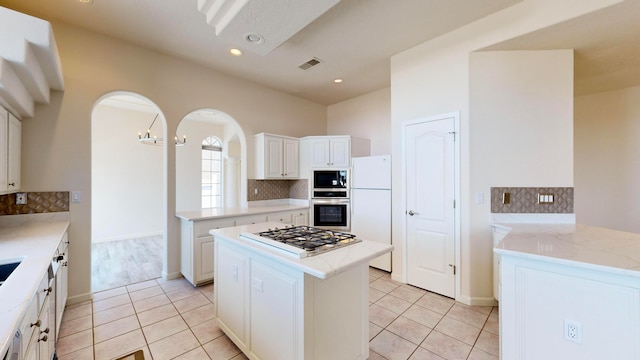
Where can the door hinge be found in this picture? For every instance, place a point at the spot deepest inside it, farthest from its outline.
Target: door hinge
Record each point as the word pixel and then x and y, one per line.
pixel 453 267
pixel 454 135
pixel 454 203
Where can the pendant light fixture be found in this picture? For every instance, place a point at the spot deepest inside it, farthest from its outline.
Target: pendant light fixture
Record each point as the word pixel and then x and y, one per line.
pixel 149 139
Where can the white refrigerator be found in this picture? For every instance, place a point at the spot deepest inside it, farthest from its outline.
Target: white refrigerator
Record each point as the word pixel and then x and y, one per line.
pixel 371 203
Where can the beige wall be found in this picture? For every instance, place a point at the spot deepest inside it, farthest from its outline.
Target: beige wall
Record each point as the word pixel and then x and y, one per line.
pixel 607 159
pixel 433 78
pixel 57 141
pixel 367 116
pixel 520 135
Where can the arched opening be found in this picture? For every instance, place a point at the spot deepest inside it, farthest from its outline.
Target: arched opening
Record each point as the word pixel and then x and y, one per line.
pixel 192 182
pixel 128 191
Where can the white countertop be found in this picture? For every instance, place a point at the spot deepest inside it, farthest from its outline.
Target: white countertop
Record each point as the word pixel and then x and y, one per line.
pixel 220 213
pixel 321 266
pixel 575 245
pixel 36 243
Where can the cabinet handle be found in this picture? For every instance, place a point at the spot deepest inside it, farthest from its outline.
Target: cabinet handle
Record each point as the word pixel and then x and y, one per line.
pixel 44 338
pixel 45 331
pixel 66 263
pixel 37 323
pixel 12 184
pixel 48 290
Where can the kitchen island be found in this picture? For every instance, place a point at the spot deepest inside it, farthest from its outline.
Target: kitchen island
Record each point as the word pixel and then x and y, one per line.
pixel 276 306
pixel 569 291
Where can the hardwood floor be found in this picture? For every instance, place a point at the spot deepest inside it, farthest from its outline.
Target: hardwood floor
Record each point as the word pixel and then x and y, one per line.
pixel 124 262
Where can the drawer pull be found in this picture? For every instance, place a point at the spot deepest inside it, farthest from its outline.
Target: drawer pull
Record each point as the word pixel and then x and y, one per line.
pixel 45 331
pixel 37 323
pixel 44 338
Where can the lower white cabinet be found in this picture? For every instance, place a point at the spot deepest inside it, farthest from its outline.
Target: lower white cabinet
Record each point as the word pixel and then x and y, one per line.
pixel 196 248
pixel 197 245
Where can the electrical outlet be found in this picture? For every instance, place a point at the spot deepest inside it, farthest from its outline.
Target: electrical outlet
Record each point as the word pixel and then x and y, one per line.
pixel 76 196
pixel 21 198
pixel 573 331
pixel 255 191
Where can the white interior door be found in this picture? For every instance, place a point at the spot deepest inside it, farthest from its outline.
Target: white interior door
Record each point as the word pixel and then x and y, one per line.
pixel 430 210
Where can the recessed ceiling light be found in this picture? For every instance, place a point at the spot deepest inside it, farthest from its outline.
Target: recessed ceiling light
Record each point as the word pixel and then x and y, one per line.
pixel 337 81
pixel 254 38
pixel 235 52
pixel 86 1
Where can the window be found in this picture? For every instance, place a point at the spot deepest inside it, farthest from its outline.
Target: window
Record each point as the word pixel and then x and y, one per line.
pixel 211 172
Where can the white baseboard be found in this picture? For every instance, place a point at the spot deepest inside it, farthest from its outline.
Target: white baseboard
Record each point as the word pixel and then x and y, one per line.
pixel 477 301
pixel 72 300
pixel 171 276
pixel 126 237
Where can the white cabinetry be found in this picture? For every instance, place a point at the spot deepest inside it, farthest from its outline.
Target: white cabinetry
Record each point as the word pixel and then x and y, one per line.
pixel 62 282
pixel 330 152
pixel 271 311
pixel 197 246
pixel 196 253
pixel 551 308
pixel 277 157
pixel 38 339
pixel 10 151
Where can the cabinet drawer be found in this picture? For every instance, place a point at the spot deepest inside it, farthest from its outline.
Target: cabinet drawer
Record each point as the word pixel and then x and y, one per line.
pixel 253 219
pixel 203 227
pixel 284 217
pixel 27 327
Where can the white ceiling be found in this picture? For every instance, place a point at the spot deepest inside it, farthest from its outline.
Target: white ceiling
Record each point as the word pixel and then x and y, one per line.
pixel 354 39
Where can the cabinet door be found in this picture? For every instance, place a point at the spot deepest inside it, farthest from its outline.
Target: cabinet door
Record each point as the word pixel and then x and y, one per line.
pixel 274 166
pixel 291 159
pixel 231 280
pixel 204 272
pixel 275 330
pixel 340 153
pixel 4 148
pixel 15 140
pixel 301 218
pixel 62 283
pixel 319 153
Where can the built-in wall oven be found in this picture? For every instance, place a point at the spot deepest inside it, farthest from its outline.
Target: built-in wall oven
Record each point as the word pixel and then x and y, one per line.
pixel 330 203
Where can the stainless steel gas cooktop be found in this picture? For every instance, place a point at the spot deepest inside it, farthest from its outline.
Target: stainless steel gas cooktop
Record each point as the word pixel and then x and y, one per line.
pixel 303 241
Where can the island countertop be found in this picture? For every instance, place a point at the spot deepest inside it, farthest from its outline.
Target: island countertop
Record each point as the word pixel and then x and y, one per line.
pixel 577 245
pixel 220 213
pixel 321 266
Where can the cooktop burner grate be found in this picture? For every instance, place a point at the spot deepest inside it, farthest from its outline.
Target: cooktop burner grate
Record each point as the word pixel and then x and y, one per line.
pixel 312 240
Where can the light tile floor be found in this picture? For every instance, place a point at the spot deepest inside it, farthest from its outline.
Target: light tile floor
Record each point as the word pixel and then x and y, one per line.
pixel 174 320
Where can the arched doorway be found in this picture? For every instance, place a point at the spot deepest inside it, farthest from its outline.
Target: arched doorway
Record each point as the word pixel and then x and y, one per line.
pixel 128 191
pixel 191 171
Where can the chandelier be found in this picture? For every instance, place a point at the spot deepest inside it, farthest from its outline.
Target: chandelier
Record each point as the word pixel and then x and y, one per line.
pixel 148 139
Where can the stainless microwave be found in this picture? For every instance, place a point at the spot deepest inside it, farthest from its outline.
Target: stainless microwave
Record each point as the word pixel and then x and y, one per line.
pixel 331 179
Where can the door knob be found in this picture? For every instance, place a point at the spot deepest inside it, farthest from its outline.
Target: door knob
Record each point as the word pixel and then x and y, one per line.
pixel 411 213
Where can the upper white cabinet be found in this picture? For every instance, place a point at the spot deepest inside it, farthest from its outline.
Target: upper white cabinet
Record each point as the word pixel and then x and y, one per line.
pixel 10 151
pixel 326 152
pixel 276 157
pixel 330 152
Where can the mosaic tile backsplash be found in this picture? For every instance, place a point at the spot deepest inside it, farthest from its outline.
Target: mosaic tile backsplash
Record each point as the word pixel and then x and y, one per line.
pixel 277 189
pixel 525 200
pixel 37 202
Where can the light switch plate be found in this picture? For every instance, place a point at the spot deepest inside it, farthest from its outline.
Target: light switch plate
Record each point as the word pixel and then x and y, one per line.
pixel 21 198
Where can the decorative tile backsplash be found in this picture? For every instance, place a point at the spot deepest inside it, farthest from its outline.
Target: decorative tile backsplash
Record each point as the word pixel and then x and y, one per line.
pixel 37 202
pixel 277 189
pixel 525 200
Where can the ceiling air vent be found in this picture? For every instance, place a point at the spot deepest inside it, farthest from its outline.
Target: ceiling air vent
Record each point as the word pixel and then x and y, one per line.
pixel 309 64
